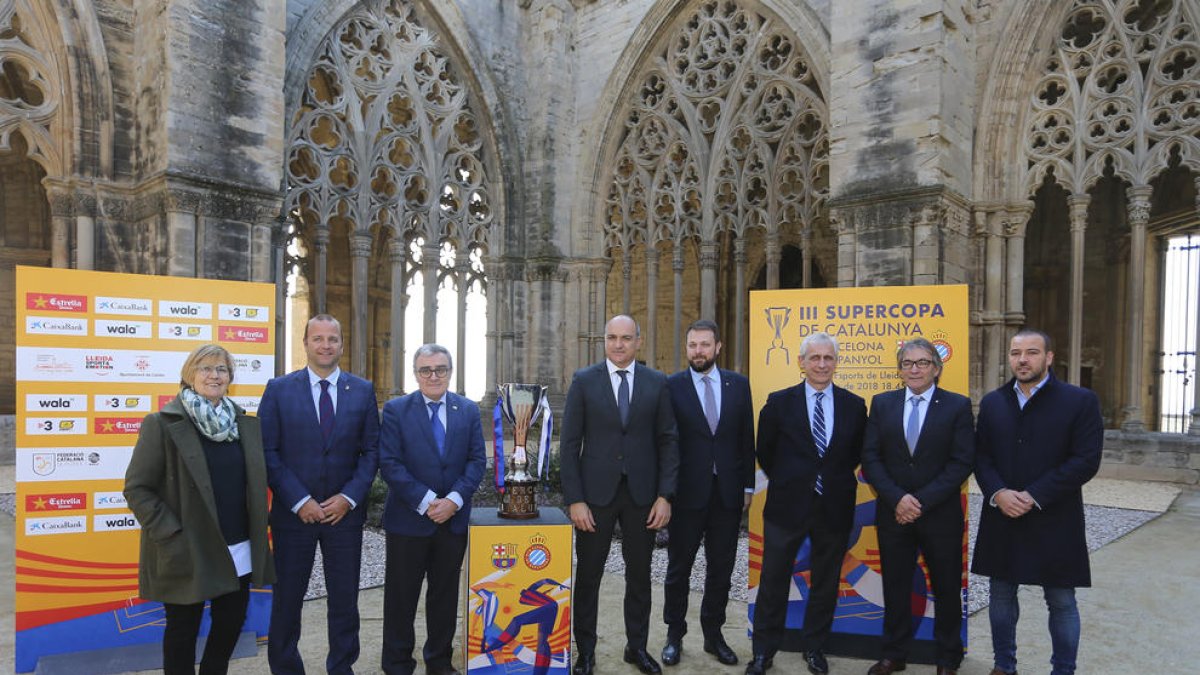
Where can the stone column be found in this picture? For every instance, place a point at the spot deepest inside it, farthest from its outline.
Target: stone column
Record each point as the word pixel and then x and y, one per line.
pixel 1194 427
pixel 626 279
pixel 62 208
pixel 185 248
pixel 603 269
pixel 279 242
pixel 430 264
pixel 772 251
pixel 1014 232
pixel 85 232
pixel 360 256
pixel 806 257
pixel 397 255
pixel 650 336
pixel 1079 212
pixel 321 264
pixel 710 257
pixel 991 226
pixel 1139 215
pixel 677 332
pixel 847 248
pixel 739 302
pixel 462 269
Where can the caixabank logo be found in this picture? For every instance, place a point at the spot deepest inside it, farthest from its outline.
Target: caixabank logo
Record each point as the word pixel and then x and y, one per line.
pixel 54 302
pixel 127 306
pixel 55 325
pixel 61 501
pixel 102 501
pixel 59 525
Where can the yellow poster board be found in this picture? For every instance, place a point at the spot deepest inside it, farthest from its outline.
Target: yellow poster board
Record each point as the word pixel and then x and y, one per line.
pixel 869 324
pixel 95 353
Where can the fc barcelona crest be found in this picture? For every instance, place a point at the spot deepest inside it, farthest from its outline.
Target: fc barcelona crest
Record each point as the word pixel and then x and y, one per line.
pixel 504 556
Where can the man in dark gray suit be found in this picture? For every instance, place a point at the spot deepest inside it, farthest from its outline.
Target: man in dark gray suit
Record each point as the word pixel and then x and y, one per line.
pixel 619 463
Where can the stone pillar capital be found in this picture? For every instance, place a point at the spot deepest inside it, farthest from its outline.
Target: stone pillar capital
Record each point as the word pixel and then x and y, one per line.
pixel 710 254
pixel 1078 206
pixel 360 245
pixel 1139 204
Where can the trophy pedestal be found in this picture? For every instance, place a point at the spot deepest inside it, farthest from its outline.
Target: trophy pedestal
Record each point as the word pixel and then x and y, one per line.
pixel 519 501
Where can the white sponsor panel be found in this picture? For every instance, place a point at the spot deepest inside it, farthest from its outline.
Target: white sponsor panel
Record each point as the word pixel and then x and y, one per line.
pixel 124 329
pixel 254 313
pixel 253 368
pixel 56 426
pixel 126 306
pixel 45 403
pixel 55 525
pixel 109 522
pixel 123 403
pixel 170 330
pixel 48 364
pixel 109 500
pixel 55 325
pixel 87 463
pixel 248 403
pixel 185 310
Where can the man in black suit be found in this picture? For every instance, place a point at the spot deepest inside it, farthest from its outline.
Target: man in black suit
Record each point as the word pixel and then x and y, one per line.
pixel 919 448
pixel 715 416
pixel 809 440
pixel 619 462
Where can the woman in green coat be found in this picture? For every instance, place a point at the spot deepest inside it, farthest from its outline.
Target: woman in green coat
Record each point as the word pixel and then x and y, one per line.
pixel 197 483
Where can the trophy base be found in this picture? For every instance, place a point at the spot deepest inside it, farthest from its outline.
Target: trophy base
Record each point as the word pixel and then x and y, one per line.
pixel 519 501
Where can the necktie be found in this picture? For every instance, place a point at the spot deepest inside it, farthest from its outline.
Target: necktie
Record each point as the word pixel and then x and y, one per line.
pixel 439 431
pixel 819 434
pixel 325 410
pixel 710 404
pixel 913 430
pixel 623 396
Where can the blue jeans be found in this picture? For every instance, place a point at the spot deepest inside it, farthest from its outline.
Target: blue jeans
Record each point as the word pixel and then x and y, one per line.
pixel 1064 626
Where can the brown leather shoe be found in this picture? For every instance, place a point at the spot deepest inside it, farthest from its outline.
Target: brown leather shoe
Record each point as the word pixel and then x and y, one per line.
pixel 886 667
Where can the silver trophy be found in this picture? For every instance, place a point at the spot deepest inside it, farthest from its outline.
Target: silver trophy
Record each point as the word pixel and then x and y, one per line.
pixel 520 406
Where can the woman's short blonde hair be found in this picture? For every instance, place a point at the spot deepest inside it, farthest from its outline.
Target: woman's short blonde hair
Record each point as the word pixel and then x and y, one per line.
pixel 201 354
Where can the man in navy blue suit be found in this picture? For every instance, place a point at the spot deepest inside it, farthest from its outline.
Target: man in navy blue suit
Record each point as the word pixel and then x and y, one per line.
pixel 715 417
pixel 918 450
pixel 431 454
pixel 320 430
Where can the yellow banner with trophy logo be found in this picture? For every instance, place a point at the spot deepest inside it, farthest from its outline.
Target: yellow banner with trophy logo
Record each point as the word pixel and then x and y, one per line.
pixel 868 324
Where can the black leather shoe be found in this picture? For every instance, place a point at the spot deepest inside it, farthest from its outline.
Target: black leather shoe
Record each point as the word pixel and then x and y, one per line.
pixel 584 665
pixel 642 659
pixel 817 665
pixel 886 667
pixel 721 650
pixel 759 665
pixel 671 653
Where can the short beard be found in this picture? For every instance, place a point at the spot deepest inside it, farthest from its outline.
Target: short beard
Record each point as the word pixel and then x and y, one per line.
pixel 705 366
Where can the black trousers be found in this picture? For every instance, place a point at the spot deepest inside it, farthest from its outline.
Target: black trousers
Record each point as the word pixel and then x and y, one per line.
pixel 942 546
pixel 717 525
pixel 228 613
pixel 592 548
pixel 411 560
pixel 780 545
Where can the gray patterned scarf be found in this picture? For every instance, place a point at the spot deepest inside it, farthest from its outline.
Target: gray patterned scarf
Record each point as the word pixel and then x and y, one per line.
pixel 217 423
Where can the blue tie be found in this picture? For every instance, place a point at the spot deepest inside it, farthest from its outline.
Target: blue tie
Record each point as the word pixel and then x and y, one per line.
pixel 439 431
pixel 623 396
pixel 325 410
pixel 818 432
pixel 913 432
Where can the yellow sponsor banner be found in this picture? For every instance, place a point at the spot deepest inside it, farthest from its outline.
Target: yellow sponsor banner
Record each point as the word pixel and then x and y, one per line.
pixel 518 615
pixel 96 352
pixel 869 324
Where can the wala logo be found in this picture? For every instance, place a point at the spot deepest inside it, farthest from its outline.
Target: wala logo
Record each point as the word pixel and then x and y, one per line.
pixel 117 425
pixel 59 525
pixel 70 501
pixel 99 362
pixel 185 310
pixel 131 306
pixel 113 522
pixel 124 329
pixel 55 325
pixel 239 334
pixel 55 402
pixel 56 303
pixel 109 500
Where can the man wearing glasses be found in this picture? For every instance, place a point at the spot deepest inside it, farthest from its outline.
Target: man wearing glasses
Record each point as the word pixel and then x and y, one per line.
pixel 320 430
pixel 431 454
pixel 918 449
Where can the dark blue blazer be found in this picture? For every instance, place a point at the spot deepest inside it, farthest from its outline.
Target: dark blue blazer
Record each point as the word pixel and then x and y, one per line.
pixel 1050 448
pixel 731 448
pixel 935 471
pixel 300 462
pixel 788 456
pixel 410 463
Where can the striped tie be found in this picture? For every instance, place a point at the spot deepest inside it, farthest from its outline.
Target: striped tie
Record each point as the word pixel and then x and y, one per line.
pixel 819 436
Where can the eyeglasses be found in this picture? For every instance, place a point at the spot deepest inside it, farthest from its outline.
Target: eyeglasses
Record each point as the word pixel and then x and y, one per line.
pixel 213 370
pixel 920 364
pixel 427 372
